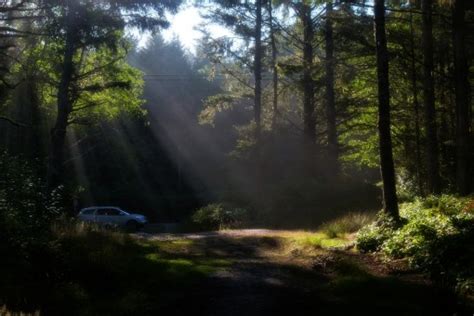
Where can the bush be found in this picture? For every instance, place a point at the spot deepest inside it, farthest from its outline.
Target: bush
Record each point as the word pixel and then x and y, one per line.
pixel 219 216
pixel 371 237
pixel 437 237
pixel 26 207
pixel 346 224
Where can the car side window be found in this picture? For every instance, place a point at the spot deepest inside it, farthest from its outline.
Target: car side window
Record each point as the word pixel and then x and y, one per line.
pixel 113 212
pixel 88 212
pixel 102 212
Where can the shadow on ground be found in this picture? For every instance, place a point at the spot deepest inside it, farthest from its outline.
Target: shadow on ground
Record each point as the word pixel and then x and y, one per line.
pixel 223 275
pixel 261 282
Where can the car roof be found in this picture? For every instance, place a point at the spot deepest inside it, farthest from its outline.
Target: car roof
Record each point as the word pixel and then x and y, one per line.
pixel 99 207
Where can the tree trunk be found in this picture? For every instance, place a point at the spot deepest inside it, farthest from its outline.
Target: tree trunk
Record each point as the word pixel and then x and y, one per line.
pixel 416 107
pixel 461 81
pixel 309 121
pixel 64 106
pixel 429 99
pixel 258 71
pixel 385 139
pixel 333 147
pixel 274 66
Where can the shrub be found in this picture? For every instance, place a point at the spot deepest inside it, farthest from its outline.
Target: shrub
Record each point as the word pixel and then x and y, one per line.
pixel 371 237
pixel 437 237
pixel 346 224
pixel 219 216
pixel 26 207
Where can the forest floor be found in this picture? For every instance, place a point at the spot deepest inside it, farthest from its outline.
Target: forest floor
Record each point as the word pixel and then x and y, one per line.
pixel 268 272
pixel 234 272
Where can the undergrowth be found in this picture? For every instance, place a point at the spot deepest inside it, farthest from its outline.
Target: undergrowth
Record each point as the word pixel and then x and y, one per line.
pixel 84 270
pixel 346 224
pixel 436 236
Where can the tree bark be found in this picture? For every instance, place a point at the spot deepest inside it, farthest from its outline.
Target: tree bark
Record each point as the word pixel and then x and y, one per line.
pixel 274 66
pixel 333 146
pixel 385 139
pixel 462 93
pixel 258 71
pixel 64 107
pixel 309 122
pixel 416 108
pixel 429 99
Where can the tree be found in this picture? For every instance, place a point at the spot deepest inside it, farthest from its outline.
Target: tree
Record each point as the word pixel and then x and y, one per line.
pixel 416 107
pixel 81 26
pixel 258 71
pixel 462 94
pixel 309 122
pixel 13 14
pixel 333 146
pixel 385 139
pixel 429 98
pixel 274 63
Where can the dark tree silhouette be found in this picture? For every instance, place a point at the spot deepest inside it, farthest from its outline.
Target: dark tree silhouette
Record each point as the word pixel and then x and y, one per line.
pixel 462 93
pixel 385 139
pixel 429 98
pixel 333 146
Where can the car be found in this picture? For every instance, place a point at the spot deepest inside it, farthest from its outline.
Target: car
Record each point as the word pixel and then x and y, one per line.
pixel 112 216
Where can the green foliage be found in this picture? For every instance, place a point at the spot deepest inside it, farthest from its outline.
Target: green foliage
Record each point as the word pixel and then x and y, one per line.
pixel 346 224
pixel 214 105
pixel 220 216
pixel 371 237
pixel 438 238
pixel 26 209
pixel 104 87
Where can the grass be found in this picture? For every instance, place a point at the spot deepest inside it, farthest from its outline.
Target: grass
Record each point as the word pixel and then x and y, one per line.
pixel 95 272
pixel 346 224
pixel 88 271
pixel 321 240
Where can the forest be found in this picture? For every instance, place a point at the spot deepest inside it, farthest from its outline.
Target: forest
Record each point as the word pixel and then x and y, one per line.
pixel 308 157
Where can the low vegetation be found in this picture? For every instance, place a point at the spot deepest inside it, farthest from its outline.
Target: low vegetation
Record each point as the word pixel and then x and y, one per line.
pixel 217 216
pixel 84 270
pixel 346 224
pixel 436 235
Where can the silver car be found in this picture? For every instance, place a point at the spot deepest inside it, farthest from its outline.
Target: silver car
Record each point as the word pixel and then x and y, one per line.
pixel 111 216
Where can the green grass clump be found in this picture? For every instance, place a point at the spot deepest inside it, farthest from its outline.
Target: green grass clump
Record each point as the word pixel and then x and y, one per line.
pixel 436 236
pixel 321 240
pixel 347 224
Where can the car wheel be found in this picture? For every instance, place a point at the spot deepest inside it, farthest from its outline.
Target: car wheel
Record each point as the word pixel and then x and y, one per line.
pixel 131 226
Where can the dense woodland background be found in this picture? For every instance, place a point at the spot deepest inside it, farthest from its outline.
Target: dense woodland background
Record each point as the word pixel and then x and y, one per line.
pixel 283 120
pixel 305 111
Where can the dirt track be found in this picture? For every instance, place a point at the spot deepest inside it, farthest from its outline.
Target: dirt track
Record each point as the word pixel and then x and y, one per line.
pixel 269 277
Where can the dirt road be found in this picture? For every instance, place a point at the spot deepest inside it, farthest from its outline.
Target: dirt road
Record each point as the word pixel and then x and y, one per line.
pixel 269 274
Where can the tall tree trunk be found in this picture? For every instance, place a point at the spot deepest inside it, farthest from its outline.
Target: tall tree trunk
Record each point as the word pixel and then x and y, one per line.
pixel 274 66
pixel 429 99
pixel 258 71
pixel 461 81
pixel 64 107
pixel 416 107
pixel 36 140
pixel 333 145
pixel 385 139
pixel 309 121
